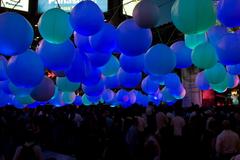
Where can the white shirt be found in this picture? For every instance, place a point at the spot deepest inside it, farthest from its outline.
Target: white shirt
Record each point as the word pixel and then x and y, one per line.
pixel 178 123
pixel 227 142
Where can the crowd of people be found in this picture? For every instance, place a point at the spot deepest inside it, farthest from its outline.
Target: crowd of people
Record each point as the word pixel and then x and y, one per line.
pixel 134 133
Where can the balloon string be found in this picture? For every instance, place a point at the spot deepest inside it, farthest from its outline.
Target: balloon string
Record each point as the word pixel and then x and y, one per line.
pixel 171 35
pixel 16 4
pixel 58 4
pixel 159 36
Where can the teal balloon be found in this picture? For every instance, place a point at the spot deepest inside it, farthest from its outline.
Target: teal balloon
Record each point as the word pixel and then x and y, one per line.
pixel 27 99
pixel 56 56
pixel 204 56
pixel 193 40
pixel 65 85
pixel 85 100
pixel 94 90
pixel 201 82
pixel 105 40
pixel 126 63
pixel 111 82
pixel 56 93
pixel 132 39
pixel 192 17
pixel 159 60
pixel 111 67
pixel 129 80
pixel 149 86
pixel 25 70
pixel 54 26
pixel 233 80
pixel 19 91
pixel 183 54
pixel 57 100
pixel 216 74
pixel 3 68
pixel 68 97
pixel 220 87
pixel 16 34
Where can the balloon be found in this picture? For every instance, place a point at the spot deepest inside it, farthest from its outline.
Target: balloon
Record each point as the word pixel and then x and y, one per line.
pixel 56 92
pixel 56 56
pixel 201 81
pixel 111 67
pixel 4 86
pixel 233 69
pixel 129 80
pixel 122 96
pixel 192 17
pixel 94 90
pixel 5 99
pixel 25 70
pixel 228 49
pixel 57 100
pixel 204 56
pixel 146 14
pixel 54 26
pixel 44 91
pixel 98 59
pixel 93 99
pixel 216 74
pixel 132 64
pixel 172 81
pixel 159 59
pixel 16 34
pixel 80 67
pixel 149 86
pixel 215 33
pixel 59 73
pixel 108 95
pixel 220 87
pixel 228 13
pixel 132 97
pixel 167 97
pixel 105 40
pixel 68 97
pixel 133 40
pixel 27 99
pixel 111 82
pixel 3 68
pixel 65 85
pixel 86 18
pixel 19 91
pixel 233 80
pixel 78 101
pixel 183 54
pixel 93 77
pixel 193 40
pixel 82 42
pixel 85 100
pixel 158 79
pixel 178 93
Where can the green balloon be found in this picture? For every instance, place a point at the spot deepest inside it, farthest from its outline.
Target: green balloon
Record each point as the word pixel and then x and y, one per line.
pixel 193 16
pixel 19 91
pixel 85 100
pixel 193 40
pixel 220 87
pixel 54 26
pixel 68 97
pixel 65 85
pixel 26 99
pixel 216 74
pixel 204 56
pixel 111 67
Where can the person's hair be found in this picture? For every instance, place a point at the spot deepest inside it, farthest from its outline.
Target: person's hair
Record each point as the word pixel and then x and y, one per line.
pixel 29 136
pixel 226 124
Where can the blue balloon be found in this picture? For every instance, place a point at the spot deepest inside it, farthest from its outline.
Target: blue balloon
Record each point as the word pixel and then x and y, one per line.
pixel 183 54
pixel 132 64
pixel 3 68
pixel 108 95
pixel 80 67
pixel 132 96
pixel 178 93
pixel 56 56
pixel 172 81
pixel 82 42
pixel 232 80
pixel 149 86
pixel 4 86
pixel 111 82
pixel 159 60
pixel 27 99
pixel 105 40
pixel 167 97
pixel 201 81
pixel 5 99
pixel 19 91
pixel 158 79
pixel 94 90
pixel 87 18
pixel 129 80
pixel 133 40
pixel 228 12
pixel 94 99
pixel 111 67
pixel 44 91
pixel 233 69
pixel 122 97
pixel 78 101
pixel 16 34
pixel 228 49
pixel 99 59
pixel 93 77
pixel 215 34
pixel 57 100
pixel 25 70
pixel 65 85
